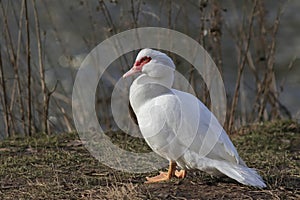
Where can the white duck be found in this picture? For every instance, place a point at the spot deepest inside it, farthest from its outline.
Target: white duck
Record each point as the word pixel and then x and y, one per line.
pixel 179 127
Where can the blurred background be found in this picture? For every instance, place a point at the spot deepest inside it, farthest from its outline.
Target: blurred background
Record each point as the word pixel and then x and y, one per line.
pixel 255 45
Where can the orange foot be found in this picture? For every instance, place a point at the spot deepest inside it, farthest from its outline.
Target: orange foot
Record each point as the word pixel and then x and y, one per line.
pixel 165 176
pixel 180 174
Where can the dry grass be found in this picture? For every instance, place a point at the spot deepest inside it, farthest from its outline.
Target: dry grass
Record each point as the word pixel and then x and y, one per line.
pixel 59 167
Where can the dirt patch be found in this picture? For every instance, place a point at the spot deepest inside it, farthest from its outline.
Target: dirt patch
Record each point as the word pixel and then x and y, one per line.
pixel 59 167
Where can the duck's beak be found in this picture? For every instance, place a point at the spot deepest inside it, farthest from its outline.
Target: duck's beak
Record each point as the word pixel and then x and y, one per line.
pixel 131 72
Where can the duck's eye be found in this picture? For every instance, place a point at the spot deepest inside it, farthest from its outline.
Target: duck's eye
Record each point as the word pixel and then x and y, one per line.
pixel 144 60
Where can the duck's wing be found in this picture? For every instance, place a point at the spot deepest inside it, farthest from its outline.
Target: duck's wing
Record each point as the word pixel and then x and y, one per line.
pixel 210 139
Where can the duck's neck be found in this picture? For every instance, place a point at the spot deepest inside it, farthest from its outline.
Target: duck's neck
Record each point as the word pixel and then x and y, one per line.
pixel 166 81
pixel 145 88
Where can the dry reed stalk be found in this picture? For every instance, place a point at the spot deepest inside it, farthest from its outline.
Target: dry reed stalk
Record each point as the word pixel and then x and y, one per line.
pixel 41 71
pixel 112 31
pixel 214 40
pixel 108 18
pixel 204 94
pixel 16 69
pixel 12 58
pixel 56 34
pixel 46 106
pixel 269 80
pixel 203 28
pixel 67 118
pixel 216 33
pixel 28 58
pixel 240 70
pixel 5 101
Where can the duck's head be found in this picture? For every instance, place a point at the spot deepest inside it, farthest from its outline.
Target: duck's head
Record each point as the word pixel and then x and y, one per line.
pixel 154 64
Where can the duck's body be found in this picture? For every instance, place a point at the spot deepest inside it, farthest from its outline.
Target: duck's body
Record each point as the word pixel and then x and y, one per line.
pixel 179 127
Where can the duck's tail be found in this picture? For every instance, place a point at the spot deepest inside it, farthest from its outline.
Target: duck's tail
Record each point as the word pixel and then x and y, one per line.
pixel 238 172
pixel 242 174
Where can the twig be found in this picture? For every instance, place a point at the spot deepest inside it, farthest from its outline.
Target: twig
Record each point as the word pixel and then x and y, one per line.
pixel 46 107
pixel 240 71
pixel 65 116
pixel 269 76
pixel 107 16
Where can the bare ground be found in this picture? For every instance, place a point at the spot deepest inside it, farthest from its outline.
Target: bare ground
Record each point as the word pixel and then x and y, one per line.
pixel 59 167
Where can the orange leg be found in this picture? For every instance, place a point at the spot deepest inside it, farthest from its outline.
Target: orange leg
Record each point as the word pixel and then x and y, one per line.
pixel 163 176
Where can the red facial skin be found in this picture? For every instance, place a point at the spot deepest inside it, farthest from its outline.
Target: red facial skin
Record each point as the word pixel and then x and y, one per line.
pixel 140 63
pixel 137 67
